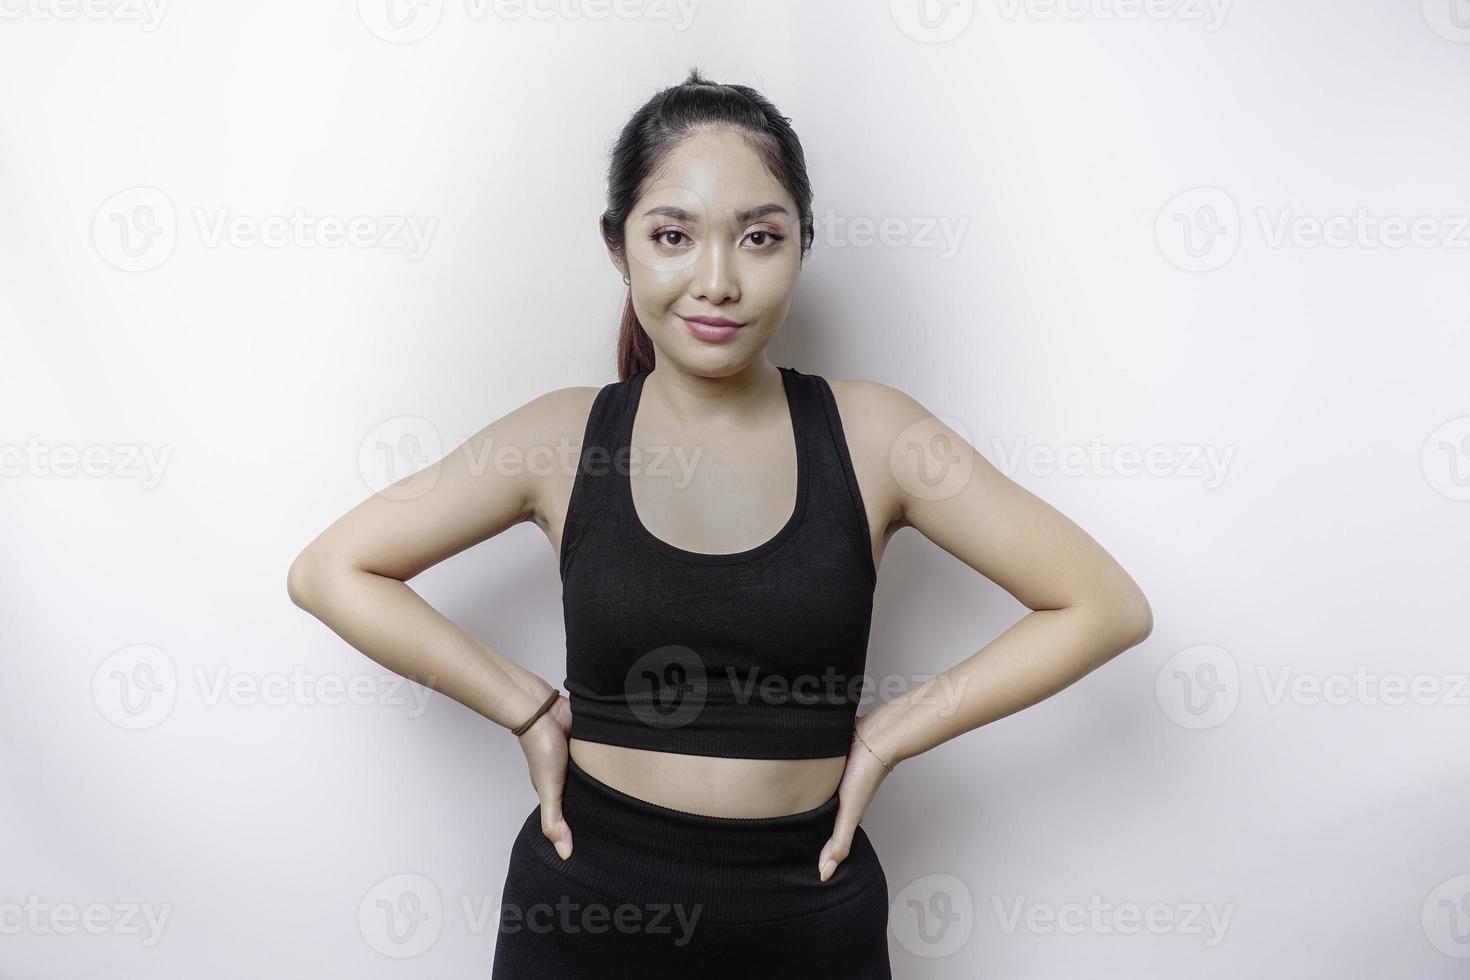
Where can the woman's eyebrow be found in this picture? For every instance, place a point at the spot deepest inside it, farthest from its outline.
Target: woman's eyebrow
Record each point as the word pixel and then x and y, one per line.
pixel 679 214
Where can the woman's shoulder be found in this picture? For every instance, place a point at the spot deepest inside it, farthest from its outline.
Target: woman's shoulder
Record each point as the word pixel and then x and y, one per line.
pixel 549 426
pixel 875 407
pixel 877 418
pixel 556 417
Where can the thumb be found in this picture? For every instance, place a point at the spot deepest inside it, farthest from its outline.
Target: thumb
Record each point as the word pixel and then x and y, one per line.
pixel 837 846
pixel 553 825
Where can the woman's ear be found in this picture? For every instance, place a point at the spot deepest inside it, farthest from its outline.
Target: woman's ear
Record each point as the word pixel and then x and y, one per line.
pixel 611 255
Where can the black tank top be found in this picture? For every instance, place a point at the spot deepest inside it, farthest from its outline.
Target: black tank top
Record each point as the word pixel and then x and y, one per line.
pixel 755 654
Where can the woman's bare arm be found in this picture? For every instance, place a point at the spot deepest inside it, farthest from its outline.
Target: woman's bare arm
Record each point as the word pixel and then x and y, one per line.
pixel 353 575
pixel 1086 608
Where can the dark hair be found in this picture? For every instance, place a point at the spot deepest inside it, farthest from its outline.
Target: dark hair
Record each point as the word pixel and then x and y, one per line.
pixel 653 132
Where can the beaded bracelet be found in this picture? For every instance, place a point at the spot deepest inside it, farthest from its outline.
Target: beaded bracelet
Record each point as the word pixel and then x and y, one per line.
pixel 869 747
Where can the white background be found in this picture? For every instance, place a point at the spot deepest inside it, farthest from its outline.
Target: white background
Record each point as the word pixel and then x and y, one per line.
pixel 1085 299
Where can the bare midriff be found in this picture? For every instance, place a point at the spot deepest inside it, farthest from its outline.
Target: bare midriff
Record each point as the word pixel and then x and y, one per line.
pixel 712 785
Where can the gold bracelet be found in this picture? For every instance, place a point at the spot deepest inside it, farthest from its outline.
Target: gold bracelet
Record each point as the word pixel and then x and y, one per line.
pixel 869 747
pixel 525 725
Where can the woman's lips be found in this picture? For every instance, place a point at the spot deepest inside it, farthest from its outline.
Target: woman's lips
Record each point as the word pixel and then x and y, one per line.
pixel 709 331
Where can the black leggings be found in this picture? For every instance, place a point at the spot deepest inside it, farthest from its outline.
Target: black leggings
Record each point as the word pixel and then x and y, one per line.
pixel 652 892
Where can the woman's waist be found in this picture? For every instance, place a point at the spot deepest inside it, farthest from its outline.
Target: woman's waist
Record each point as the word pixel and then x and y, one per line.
pixel 709 785
pixel 735 869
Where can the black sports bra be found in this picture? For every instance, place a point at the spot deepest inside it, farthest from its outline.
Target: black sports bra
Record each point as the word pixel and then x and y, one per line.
pixel 755 654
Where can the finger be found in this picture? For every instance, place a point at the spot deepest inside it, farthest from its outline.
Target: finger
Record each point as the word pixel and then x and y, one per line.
pixel 553 825
pixel 840 843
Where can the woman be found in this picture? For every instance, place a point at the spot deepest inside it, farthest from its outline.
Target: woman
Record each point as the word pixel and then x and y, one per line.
pixel 719 536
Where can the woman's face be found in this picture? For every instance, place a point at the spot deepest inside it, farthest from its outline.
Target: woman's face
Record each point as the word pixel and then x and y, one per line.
pixel 716 236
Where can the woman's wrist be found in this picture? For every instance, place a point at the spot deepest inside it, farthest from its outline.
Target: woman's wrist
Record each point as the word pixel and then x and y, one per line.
pixel 877 732
pixel 541 710
pixel 860 739
pixel 535 700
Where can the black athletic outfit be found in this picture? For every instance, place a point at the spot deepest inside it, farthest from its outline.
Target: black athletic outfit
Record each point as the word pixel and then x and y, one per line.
pixel 751 654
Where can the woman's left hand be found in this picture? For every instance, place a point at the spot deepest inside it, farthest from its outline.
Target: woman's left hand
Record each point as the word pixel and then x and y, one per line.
pixel 860 782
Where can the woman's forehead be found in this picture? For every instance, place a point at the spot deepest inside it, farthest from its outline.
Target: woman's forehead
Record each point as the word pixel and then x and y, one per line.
pixel 713 171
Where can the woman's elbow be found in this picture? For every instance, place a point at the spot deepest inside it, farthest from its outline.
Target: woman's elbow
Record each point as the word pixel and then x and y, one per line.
pixel 1143 620
pixel 302 579
pixel 1122 617
pixel 1134 618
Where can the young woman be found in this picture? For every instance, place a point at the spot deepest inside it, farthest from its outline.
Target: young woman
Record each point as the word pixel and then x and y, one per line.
pixel 718 525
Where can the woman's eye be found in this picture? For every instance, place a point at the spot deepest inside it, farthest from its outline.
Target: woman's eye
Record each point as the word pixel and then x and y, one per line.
pixel 768 239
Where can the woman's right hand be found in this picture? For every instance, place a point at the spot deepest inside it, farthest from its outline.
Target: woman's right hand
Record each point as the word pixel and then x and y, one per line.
pixel 545 744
